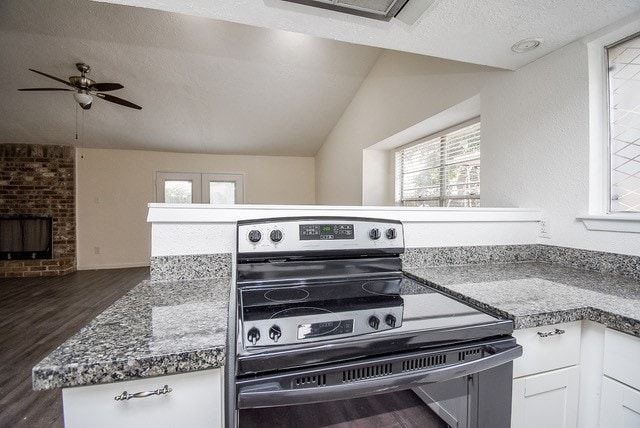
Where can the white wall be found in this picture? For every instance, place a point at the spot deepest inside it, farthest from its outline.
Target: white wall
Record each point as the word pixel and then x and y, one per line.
pixel 377 177
pixel 114 188
pixel 401 90
pixel 535 136
pixel 535 147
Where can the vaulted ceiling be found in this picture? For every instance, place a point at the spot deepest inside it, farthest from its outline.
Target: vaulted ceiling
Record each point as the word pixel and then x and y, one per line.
pixel 241 76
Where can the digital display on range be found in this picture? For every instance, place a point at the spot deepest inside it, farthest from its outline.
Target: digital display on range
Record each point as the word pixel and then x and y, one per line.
pixel 309 232
pixel 329 328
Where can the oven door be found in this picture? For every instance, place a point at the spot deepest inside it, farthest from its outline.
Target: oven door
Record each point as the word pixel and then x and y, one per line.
pixel 369 376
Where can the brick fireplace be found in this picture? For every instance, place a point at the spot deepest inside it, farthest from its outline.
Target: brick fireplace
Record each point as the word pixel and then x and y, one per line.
pixel 39 181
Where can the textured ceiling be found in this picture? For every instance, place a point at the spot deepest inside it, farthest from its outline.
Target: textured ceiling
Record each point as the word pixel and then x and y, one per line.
pixel 476 31
pixel 255 79
pixel 205 85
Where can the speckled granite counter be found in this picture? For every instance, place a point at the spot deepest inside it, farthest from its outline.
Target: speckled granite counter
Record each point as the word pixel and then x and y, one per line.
pixel 155 329
pixel 534 294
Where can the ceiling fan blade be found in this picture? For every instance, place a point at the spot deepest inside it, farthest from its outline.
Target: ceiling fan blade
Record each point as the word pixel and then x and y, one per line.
pixel 46 89
pixel 104 87
pixel 117 100
pixel 53 77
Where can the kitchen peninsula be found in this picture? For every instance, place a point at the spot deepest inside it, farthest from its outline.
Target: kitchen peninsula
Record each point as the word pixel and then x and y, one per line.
pixel 177 322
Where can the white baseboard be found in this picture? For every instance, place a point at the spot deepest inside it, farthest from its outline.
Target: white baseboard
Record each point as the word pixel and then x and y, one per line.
pixel 113 266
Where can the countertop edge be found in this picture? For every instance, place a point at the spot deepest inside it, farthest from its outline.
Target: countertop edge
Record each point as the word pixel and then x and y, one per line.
pixel 609 319
pixel 104 372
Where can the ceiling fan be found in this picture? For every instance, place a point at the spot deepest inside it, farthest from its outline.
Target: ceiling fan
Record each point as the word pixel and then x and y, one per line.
pixel 85 89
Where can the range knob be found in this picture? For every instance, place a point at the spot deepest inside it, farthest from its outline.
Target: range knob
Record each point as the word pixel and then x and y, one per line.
pixel 374 322
pixel 390 320
pixel 276 235
pixel 374 233
pixel 255 236
pixel 275 333
pixel 253 335
pixel 391 233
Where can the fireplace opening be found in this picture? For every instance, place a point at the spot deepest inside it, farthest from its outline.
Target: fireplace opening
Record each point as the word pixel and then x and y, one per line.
pixel 26 238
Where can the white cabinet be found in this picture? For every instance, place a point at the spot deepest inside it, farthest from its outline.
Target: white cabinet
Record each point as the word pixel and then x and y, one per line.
pixel 547 377
pixel 195 400
pixel 622 357
pixel 620 405
pixel 620 402
pixel 547 348
pixel 546 400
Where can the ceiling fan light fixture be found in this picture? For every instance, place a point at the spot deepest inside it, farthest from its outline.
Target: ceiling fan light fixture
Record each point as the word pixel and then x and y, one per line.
pixel 82 98
pixel 83 88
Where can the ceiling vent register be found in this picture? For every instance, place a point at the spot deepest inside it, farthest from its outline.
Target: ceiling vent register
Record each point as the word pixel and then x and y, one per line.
pixel 382 10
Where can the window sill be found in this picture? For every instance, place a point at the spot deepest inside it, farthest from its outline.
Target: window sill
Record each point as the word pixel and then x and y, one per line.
pixel 629 223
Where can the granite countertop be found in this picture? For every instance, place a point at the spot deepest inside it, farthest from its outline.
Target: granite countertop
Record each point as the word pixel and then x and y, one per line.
pixel 534 294
pixel 156 329
pixel 168 327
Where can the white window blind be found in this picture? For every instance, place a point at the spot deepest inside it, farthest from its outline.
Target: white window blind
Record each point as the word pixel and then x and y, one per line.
pixel 624 128
pixel 441 171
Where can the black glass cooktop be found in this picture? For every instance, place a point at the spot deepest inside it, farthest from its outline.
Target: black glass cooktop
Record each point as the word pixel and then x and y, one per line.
pixel 429 318
pixel 336 292
pixel 319 307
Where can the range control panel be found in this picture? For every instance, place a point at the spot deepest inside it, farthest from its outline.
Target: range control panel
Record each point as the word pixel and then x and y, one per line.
pixel 294 235
pixel 316 327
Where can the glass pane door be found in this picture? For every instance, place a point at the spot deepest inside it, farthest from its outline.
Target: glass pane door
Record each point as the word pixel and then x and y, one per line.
pixel 222 192
pixel 178 192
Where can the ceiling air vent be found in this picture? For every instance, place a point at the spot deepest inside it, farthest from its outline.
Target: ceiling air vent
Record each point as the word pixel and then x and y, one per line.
pixel 383 10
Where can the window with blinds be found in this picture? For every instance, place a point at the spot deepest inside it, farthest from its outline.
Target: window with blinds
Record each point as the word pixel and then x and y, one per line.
pixel 441 171
pixel 624 124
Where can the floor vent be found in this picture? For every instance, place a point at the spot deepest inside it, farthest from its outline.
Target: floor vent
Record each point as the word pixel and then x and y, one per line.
pixel 310 381
pixel 465 355
pixel 363 373
pixel 424 362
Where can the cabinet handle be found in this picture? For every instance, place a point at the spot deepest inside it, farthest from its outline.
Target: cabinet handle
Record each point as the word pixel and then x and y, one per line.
pixel 557 331
pixel 126 396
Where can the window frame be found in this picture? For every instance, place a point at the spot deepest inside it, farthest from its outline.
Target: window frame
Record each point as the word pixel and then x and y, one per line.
pixel 609 142
pixel 194 178
pixel 442 198
pixel 598 216
pixel 237 179
pixel 200 184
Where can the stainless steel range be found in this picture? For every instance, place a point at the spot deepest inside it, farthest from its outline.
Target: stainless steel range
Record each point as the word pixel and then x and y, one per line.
pixel 324 313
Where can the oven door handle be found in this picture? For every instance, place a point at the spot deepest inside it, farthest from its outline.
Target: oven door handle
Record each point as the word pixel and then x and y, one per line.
pixel 272 393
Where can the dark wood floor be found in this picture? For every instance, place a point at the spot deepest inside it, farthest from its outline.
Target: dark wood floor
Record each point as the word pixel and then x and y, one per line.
pixel 396 410
pixel 36 316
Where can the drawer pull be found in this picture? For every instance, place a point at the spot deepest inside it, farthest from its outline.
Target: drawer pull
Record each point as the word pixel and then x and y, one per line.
pixel 557 331
pixel 126 396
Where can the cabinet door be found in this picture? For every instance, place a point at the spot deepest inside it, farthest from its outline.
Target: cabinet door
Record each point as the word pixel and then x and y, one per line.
pixel 195 401
pixel 621 356
pixel 620 405
pixel 547 348
pixel 548 400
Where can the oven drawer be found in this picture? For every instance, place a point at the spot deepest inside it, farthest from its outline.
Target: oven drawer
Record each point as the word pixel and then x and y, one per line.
pixel 374 375
pixel 547 348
